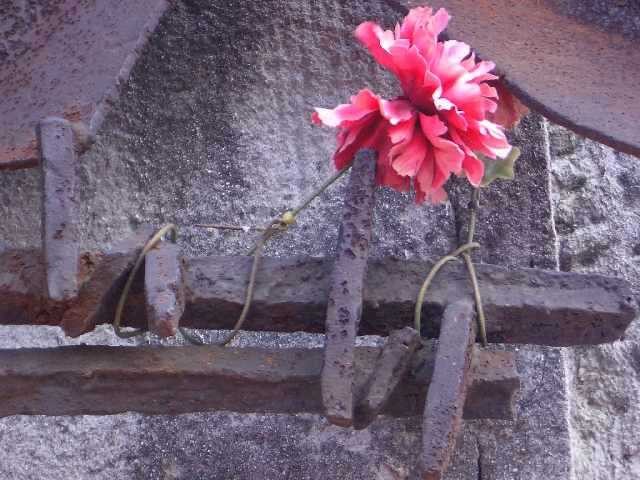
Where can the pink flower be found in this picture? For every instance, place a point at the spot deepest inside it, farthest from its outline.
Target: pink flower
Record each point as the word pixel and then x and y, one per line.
pixel 439 123
pixel 364 123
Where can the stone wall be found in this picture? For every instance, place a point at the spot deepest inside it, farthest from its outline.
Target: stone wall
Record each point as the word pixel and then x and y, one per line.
pixel 213 126
pixel 596 194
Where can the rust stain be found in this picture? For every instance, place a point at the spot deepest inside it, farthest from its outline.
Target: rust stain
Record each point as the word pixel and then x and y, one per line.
pixel 58 65
pixel 24 156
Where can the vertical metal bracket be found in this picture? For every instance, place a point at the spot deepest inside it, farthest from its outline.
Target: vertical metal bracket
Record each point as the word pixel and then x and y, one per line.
pixel 390 369
pixel 345 295
pixel 60 240
pixel 164 289
pixel 448 389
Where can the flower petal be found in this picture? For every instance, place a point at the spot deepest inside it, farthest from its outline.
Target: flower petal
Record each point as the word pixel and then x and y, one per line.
pixel 424 184
pixel 371 35
pixel 424 179
pixel 449 156
pixel 407 158
pixel 473 168
pixel 422 18
pixel 403 131
pixel 439 22
pixel 396 111
pixel 447 66
pixel 510 110
pixel 432 126
pixel 364 103
pixel 480 72
pixel 494 139
pixel 455 118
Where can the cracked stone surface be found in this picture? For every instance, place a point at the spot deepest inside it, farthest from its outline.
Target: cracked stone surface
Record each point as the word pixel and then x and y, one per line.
pixel 213 126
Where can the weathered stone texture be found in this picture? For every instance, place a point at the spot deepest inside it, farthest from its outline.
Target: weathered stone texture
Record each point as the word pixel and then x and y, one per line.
pixel 515 228
pixel 214 126
pixel 596 194
pixel 515 224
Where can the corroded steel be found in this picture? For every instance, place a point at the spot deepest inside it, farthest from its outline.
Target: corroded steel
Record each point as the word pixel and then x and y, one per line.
pixel 390 368
pixel 60 236
pixel 448 389
pixel 98 296
pixel 487 367
pixel 522 305
pixel 558 60
pixel 67 59
pixel 164 289
pixel 97 380
pixel 344 306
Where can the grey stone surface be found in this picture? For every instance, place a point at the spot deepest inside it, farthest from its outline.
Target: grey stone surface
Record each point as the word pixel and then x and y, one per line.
pixel 515 227
pixel 515 224
pixel 596 193
pixel 213 126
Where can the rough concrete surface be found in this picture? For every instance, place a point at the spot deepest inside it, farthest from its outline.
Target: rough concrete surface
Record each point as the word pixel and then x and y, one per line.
pixel 515 226
pixel 213 126
pixel 596 193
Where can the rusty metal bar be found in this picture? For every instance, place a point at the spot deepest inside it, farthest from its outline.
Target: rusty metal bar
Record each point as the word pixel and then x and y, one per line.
pixel 390 368
pixel 448 389
pixel 97 299
pixel 522 305
pixel 344 306
pixel 60 240
pixel 83 380
pixel 164 289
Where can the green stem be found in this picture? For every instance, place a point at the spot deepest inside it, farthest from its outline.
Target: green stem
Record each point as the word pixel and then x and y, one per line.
pixel 157 237
pixel 477 297
pixel 464 252
pixel 473 216
pixel 475 203
pixel 220 226
pixel 432 273
pixel 277 225
pixel 250 288
pixel 322 188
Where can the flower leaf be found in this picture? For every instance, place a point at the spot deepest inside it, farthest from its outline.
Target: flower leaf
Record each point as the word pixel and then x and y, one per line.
pixel 499 168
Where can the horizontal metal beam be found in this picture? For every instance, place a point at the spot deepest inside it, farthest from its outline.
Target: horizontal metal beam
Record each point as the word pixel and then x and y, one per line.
pixel 97 380
pixel 521 305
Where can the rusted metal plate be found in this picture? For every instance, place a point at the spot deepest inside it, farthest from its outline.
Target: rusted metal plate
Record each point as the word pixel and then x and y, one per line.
pixel 489 383
pixel 522 305
pixel 558 60
pixel 83 380
pixel 65 59
pixel 390 368
pixel 164 289
pixel 448 389
pixel 344 306
pixel 60 239
pixel 98 296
